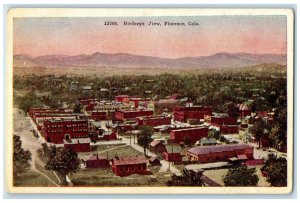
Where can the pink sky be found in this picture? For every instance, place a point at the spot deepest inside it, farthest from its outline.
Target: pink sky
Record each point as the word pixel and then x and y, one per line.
pixel 74 36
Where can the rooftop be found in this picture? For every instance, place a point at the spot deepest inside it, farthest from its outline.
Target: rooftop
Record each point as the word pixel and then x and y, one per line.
pixel 130 160
pixel 77 141
pixel 173 149
pixel 217 148
pixel 93 157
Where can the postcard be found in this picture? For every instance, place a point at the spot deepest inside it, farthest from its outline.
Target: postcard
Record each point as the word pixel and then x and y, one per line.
pixel 149 101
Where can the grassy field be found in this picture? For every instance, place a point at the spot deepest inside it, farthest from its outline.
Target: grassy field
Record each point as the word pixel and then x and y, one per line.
pixel 105 177
pixel 40 166
pixel 32 179
pixel 111 151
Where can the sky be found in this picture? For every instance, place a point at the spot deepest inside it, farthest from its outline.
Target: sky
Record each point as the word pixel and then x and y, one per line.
pixel 213 34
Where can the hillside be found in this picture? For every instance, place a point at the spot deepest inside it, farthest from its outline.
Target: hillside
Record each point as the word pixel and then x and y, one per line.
pixel 119 60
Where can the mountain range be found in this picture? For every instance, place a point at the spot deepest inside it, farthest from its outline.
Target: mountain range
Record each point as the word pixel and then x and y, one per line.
pixel 119 60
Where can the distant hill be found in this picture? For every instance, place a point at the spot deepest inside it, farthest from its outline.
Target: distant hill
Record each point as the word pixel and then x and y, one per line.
pixel 219 60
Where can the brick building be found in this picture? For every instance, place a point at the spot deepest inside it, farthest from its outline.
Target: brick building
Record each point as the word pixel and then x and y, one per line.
pixel 123 115
pixel 229 129
pixel 219 121
pixel 165 105
pixel 244 110
pixel 125 166
pixel 56 130
pixel 153 120
pixel 190 134
pixel 78 144
pixel 217 153
pixel 157 146
pixel 182 114
pixel 173 154
pixel 95 161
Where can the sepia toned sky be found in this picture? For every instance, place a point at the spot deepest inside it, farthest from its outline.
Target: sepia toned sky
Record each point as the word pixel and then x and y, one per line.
pixel 75 36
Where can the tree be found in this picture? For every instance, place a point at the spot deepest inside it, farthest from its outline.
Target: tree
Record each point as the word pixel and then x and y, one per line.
pixel 213 133
pixel 30 100
pixel 145 138
pixel 257 130
pixel 276 168
pixel 241 176
pixel 77 107
pixel 21 157
pixel 231 109
pixel 63 161
pixel 187 178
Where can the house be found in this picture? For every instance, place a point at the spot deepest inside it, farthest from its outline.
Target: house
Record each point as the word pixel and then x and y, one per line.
pixel 108 135
pixel 229 129
pixel 173 154
pixel 132 114
pixel 153 120
pixel 182 114
pixel 190 135
pixel 217 153
pixel 95 161
pixel 220 120
pixel 244 110
pixel 154 161
pixel 78 144
pixel 125 166
pixel 157 147
pixel 56 130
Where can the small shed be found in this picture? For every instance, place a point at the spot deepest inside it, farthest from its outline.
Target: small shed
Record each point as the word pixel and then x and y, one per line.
pixel 154 161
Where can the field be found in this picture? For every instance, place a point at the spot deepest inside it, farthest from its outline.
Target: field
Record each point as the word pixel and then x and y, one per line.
pixel 111 151
pixel 32 179
pixel 98 71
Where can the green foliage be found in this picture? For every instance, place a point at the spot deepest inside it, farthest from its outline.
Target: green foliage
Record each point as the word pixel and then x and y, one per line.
pixel 213 133
pixel 63 161
pixel 21 157
pixel 279 129
pixel 231 109
pixel 276 168
pixel 219 89
pixel 77 107
pixel 187 178
pixel 30 100
pixel 241 176
pixel 257 130
pixel 145 138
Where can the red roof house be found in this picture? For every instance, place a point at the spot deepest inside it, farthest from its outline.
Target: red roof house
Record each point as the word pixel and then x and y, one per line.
pixel 95 161
pixel 125 166
pixel 173 154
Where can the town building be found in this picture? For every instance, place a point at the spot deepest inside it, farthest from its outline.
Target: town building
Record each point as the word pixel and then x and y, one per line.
pixel 244 111
pixel 123 115
pixel 182 114
pixel 217 153
pixel 95 161
pixel 190 135
pixel 153 120
pixel 125 166
pixel 173 154
pixel 157 147
pixel 206 141
pixel 165 105
pixel 56 130
pixel 78 144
